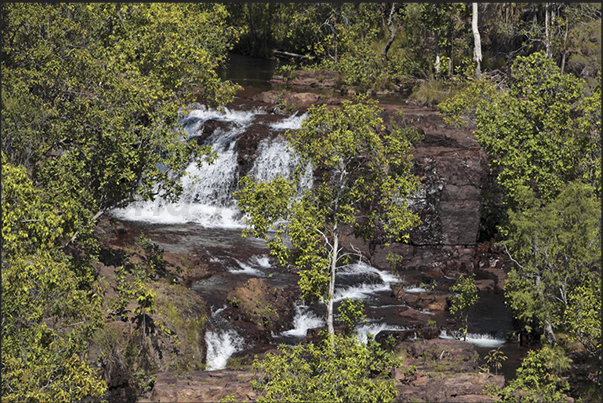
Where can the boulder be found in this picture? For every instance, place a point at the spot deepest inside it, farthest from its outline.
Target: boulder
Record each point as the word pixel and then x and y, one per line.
pixel 266 307
pixel 485 285
pixel 203 386
pixel 445 354
pixel 445 387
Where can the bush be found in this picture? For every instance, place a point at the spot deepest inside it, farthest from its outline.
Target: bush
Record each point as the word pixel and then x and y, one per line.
pixel 338 369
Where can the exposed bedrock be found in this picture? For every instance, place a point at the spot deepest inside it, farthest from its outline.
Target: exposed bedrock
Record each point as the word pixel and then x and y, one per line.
pixel 453 170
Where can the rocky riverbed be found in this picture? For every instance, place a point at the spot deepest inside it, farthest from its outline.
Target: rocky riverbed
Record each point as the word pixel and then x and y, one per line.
pixel 239 284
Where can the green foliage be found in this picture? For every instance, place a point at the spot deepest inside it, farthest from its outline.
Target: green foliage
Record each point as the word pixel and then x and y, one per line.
pixel 338 369
pixel 153 260
pixel 582 316
pixel 539 379
pixel 351 312
pixel 555 248
pixel 464 298
pixel 49 305
pixel 494 359
pixel 541 134
pixel 395 261
pixel 91 95
pixel 362 179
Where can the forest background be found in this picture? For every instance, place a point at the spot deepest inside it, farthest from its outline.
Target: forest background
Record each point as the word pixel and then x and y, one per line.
pixel 91 94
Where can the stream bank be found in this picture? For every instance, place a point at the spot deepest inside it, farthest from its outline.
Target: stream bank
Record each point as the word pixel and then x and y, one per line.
pixel 251 302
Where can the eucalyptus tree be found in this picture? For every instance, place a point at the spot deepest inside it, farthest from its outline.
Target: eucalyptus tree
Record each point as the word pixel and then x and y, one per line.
pixel 543 139
pixel 362 181
pixel 91 95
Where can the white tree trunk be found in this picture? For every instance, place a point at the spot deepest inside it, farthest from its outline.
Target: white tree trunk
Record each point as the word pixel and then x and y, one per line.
pixel 437 50
pixel 547 33
pixel 477 51
pixel 331 292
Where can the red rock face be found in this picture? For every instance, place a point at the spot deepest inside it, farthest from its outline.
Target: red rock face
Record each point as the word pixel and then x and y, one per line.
pixel 453 171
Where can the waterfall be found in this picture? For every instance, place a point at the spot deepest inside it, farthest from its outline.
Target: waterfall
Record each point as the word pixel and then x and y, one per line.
pixel 207 190
pixel 480 340
pixel 304 319
pixel 221 345
pixel 374 328
pixel 222 342
pixel 361 281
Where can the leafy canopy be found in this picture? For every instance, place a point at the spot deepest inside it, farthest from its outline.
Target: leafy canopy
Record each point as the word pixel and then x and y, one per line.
pixel 338 369
pixel 49 306
pixel 555 248
pixel 541 134
pixel 362 179
pixel 465 296
pixel 91 95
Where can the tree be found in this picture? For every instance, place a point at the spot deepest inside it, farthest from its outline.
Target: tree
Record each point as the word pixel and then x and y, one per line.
pixel 438 18
pixel 338 369
pixel 91 95
pixel 554 248
pixel 582 316
pixel 541 134
pixel 466 296
pixel 362 180
pixel 477 43
pixel 48 307
pixel 539 379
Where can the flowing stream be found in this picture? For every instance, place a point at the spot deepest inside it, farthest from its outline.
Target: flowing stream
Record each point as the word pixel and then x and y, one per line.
pixel 206 216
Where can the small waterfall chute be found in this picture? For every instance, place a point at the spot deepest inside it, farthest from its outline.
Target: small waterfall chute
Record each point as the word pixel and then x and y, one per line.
pixel 221 342
pixel 303 320
pixel 480 340
pixel 378 280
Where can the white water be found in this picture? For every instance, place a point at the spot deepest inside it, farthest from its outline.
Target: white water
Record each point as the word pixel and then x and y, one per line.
pixel 373 328
pixel 414 289
pixel 363 290
pixel 293 122
pixel 207 191
pixel 481 340
pixel 220 346
pixel 246 269
pixel 304 319
pixel 262 260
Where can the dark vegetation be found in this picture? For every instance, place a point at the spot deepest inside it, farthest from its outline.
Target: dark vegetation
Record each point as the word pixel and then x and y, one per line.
pixel 91 97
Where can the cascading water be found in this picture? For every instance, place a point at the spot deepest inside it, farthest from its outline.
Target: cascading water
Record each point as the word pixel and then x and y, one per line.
pixel 207 201
pixel 221 342
pixel 304 319
pixel 361 280
pixel 207 196
pixel 481 340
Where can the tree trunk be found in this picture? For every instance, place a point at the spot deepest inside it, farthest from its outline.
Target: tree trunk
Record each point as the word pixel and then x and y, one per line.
pixel 331 294
pixel 477 53
pixel 392 32
pixel 548 333
pixel 547 33
pixel 548 329
pixel 437 50
pixel 565 45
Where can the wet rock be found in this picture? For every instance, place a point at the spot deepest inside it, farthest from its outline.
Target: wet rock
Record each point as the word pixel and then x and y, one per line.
pixel 485 285
pixel 203 386
pixel 266 307
pixel 452 170
pixel 309 79
pixel 384 336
